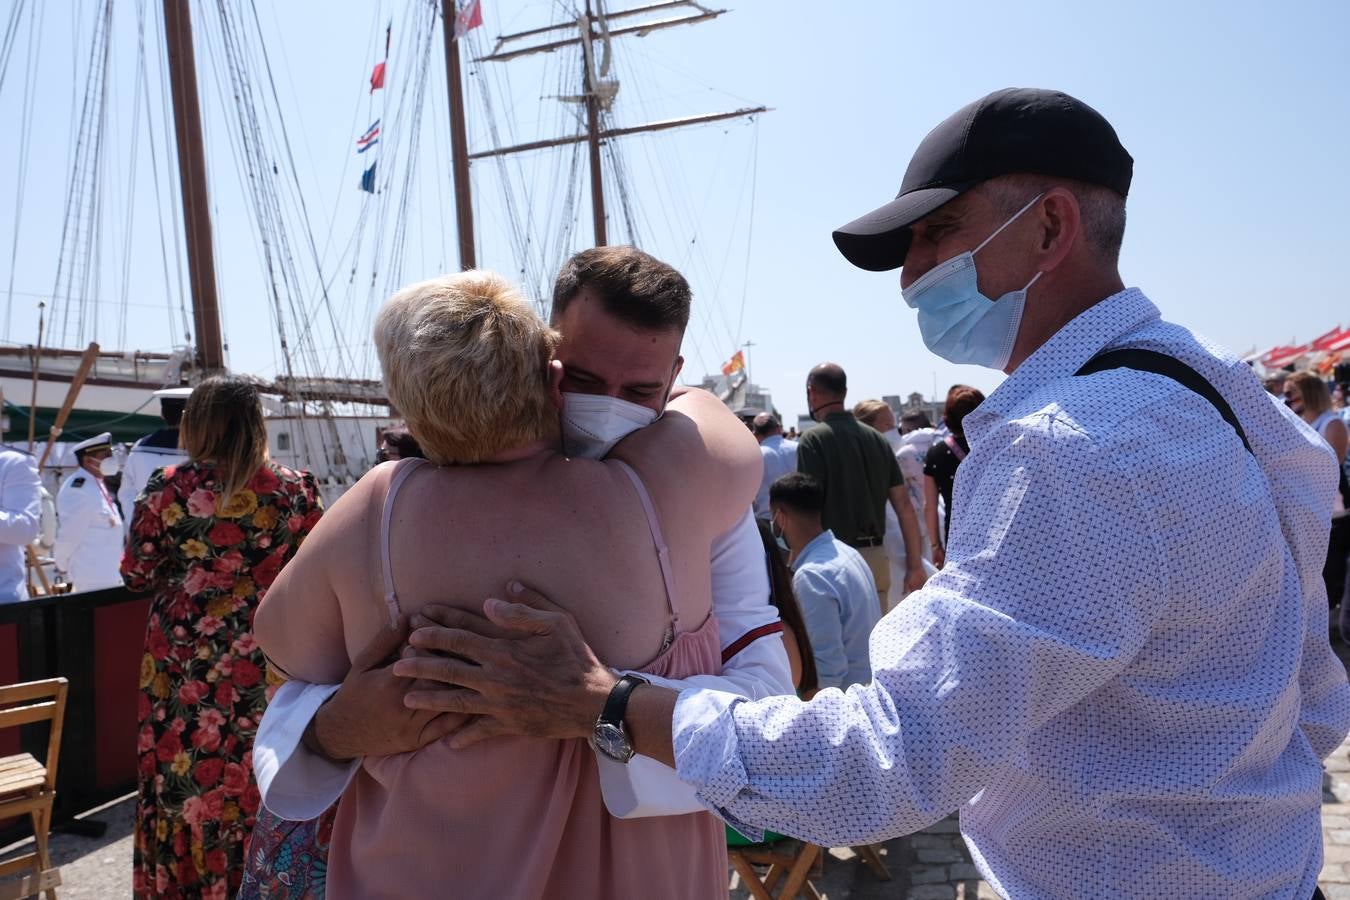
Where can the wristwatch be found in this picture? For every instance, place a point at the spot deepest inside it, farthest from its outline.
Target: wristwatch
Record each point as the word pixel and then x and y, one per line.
pixel 610 736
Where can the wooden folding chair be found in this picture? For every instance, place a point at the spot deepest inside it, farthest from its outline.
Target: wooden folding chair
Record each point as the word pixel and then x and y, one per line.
pixel 788 860
pixel 872 857
pixel 28 786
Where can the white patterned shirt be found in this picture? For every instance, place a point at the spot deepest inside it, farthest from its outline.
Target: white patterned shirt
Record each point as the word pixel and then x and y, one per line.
pixel 1122 677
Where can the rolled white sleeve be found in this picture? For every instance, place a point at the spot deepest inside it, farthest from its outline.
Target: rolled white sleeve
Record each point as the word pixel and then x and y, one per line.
pixel 754 665
pixel 295 783
pixel 994 647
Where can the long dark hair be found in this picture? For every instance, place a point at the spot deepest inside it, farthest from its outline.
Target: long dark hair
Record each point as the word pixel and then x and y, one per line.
pixel 223 424
pixel 785 601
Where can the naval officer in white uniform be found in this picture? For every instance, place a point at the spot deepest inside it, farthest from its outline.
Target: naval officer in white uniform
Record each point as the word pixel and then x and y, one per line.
pixel 20 515
pixel 89 527
pixel 154 451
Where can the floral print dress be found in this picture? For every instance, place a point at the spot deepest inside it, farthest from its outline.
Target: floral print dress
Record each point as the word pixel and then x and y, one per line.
pixel 203 678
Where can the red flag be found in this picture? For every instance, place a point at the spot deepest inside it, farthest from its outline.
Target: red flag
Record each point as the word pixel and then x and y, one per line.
pixel 735 364
pixel 377 77
pixel 469 18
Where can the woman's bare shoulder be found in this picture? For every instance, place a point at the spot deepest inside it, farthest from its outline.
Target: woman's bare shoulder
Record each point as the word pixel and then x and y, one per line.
pixel 698 448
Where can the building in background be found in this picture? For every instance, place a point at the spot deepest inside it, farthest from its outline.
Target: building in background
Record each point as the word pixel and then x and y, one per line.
pixel 914 403
pixel 739 393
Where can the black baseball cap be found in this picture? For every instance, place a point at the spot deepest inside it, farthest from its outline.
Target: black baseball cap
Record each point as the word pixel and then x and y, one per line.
pixel 1012 131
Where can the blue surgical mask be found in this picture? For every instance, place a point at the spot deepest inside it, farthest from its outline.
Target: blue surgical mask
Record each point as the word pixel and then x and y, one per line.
pixel 960 324
pixel 778 536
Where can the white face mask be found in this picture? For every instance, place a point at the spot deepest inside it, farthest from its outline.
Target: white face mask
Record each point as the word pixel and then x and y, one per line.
pixel 108 467
pixel 893 438
pixel 593 423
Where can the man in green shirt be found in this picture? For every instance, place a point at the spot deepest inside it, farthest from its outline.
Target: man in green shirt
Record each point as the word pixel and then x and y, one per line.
pixel 858 470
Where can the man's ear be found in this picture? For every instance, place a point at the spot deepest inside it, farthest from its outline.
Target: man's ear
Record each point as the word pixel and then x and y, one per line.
pixel 679 367
pixel 555 377
pixel 1062 224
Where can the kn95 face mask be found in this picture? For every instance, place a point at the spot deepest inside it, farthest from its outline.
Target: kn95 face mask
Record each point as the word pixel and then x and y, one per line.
pixel 593 423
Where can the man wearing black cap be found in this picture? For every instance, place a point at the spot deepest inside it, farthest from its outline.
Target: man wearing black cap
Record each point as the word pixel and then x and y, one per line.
pixel 1122 677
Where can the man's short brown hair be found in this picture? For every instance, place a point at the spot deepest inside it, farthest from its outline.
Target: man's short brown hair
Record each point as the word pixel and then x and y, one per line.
pixel 634 287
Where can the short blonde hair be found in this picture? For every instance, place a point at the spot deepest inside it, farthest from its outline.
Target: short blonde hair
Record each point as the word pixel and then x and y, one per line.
pixel 465 360
pixel 223 425
pixel 866 411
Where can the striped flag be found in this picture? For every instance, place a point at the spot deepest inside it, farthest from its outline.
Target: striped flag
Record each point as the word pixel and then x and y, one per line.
pixel 369 139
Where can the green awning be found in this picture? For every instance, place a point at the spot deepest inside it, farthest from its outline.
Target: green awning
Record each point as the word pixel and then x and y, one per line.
pixel 81 424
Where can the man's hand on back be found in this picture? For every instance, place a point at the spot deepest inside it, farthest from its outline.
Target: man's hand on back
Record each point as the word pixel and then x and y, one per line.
pixel 367 717
pixel 540 680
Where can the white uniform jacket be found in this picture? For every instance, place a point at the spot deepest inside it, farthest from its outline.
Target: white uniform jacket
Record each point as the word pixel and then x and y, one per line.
pixel 88 533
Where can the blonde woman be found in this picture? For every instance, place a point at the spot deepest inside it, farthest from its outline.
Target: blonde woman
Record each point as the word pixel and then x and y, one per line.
pixel 207 538
pixel 1306 394
pixel 624 545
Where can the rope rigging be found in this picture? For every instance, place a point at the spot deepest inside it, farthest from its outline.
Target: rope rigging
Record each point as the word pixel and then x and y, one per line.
pixel 80 234
pixel 21 176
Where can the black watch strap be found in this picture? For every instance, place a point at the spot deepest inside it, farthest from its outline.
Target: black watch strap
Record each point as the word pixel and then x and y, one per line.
pixel 617 704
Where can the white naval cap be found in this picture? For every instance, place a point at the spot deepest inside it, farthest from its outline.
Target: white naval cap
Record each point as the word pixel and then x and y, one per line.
pixel 173 393
pixel 97 442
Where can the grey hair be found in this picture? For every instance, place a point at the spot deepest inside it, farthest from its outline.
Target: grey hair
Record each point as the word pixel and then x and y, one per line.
pixel 1102 209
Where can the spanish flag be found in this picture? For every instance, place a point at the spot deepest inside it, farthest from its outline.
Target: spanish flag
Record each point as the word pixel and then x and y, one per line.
pixel 735 364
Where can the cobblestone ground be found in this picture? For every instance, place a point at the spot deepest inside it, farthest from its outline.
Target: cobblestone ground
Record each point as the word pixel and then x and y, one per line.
pixel 92 868
pixel 931 865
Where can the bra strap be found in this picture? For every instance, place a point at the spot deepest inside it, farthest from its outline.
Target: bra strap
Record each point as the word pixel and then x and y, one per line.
pixel 662 551
pixel 402 469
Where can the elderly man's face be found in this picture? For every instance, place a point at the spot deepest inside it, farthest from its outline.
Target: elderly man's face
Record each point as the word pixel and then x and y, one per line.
pixel 603 355
pixel 963 224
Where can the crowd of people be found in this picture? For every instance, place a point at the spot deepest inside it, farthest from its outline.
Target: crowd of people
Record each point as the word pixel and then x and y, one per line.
pixel 578 616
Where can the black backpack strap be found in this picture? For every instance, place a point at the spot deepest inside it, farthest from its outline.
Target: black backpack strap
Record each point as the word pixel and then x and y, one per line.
pixel 1168 367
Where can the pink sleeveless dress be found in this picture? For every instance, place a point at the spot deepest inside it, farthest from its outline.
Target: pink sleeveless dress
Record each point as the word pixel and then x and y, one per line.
pixel 522 817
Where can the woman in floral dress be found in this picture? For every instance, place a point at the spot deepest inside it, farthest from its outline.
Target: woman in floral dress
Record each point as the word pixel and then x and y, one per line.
pixel 208 538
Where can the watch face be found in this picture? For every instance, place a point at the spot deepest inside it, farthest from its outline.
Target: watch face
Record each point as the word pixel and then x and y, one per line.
pixel 612 741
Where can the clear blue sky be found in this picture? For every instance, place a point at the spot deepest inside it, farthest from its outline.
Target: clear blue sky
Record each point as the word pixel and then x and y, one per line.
pixel 1236 113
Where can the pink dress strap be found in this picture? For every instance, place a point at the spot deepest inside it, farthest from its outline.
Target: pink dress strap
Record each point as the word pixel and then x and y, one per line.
pixel 402 469
pixel 662 551
pixel 955 446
